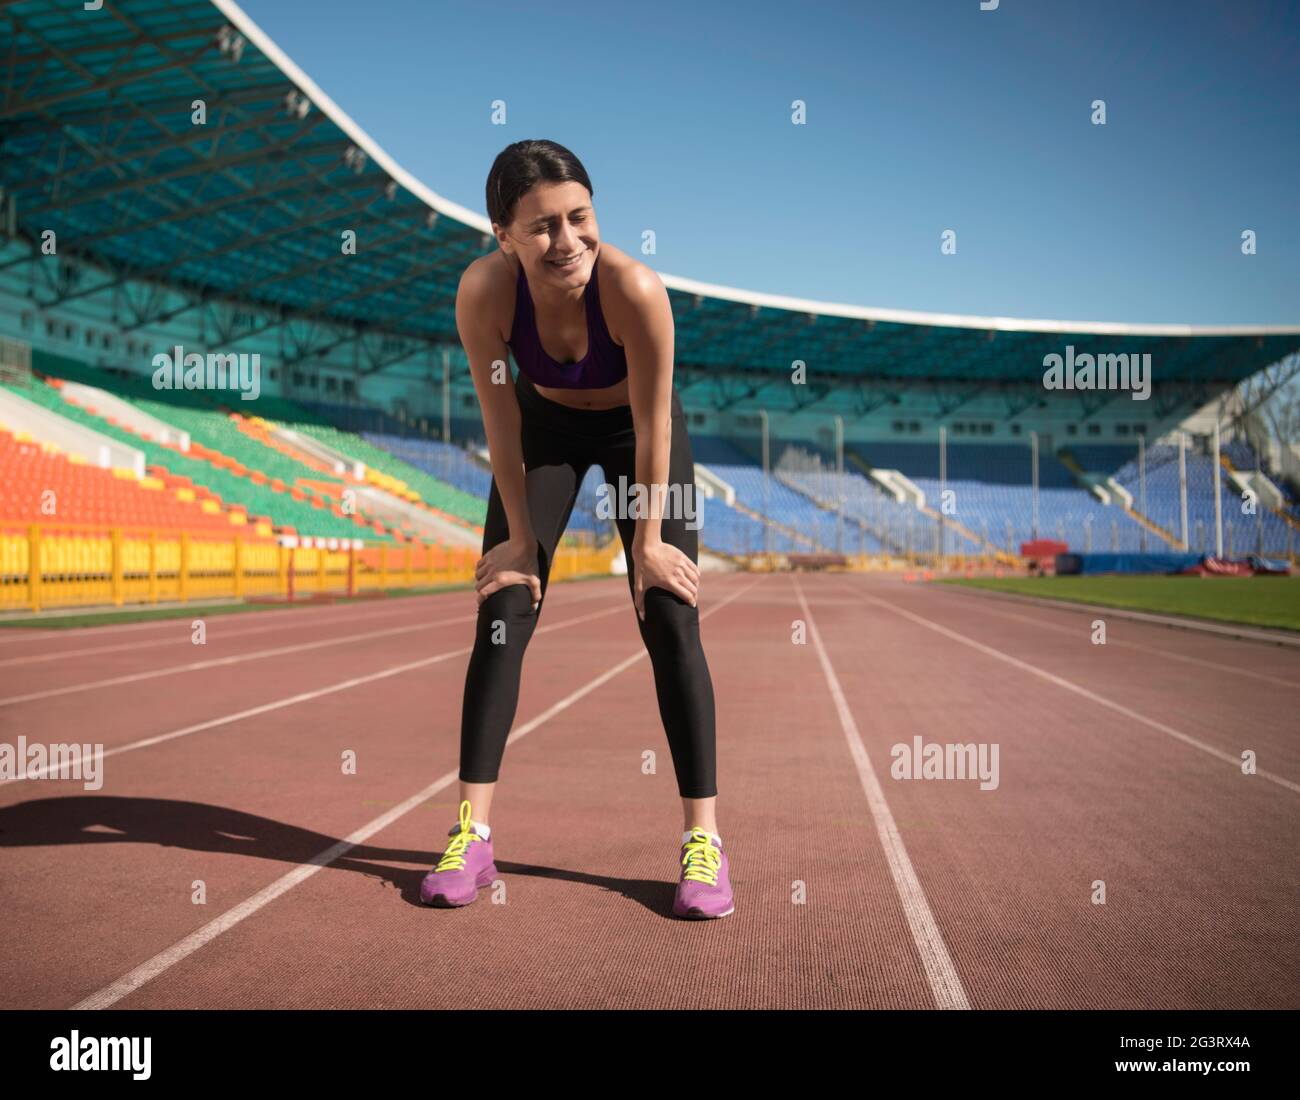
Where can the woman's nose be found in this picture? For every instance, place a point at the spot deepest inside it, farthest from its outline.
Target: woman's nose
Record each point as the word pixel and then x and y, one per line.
pixel 567 241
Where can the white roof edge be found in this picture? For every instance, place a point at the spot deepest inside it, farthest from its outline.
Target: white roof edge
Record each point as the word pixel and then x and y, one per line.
pixel 322 102
pixel 259 38
pixel 962 320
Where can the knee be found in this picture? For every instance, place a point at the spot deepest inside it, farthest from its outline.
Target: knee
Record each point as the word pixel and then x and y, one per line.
pixel 507 616
pixel 671 625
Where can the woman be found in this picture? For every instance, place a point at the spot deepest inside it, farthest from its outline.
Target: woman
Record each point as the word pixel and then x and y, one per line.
pixel 591 330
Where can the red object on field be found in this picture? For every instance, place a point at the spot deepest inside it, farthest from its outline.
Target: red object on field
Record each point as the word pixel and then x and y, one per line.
pixel 1041 554
pixel 1043 548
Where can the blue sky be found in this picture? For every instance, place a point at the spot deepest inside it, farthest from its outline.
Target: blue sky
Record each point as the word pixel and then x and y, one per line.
pixel 923 115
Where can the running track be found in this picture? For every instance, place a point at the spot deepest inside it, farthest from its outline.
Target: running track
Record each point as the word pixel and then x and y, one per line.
pixel 1117 763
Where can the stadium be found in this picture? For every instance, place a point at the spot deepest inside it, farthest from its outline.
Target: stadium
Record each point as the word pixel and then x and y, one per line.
pixel 243 487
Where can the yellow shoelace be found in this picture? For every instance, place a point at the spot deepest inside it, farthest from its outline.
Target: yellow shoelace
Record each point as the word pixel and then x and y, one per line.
pixel 702 858
pixel 453 859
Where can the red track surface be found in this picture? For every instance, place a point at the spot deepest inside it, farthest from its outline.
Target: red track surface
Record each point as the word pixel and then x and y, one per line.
pixel 853 889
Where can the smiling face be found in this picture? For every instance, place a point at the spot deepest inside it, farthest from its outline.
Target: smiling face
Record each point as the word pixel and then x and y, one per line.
pixel 554 234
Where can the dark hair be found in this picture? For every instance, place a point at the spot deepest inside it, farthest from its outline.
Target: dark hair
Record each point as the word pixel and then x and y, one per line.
pixel 519 167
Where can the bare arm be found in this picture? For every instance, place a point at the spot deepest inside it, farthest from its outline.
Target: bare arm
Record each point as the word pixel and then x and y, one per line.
pixel 648 344
pixel 488 358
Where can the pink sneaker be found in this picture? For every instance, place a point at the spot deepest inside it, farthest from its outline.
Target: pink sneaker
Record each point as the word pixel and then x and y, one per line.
pixel 704 890
pixel 464 867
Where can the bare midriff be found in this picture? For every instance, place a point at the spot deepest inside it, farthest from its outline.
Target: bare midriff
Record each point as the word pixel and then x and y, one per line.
pixel 607 398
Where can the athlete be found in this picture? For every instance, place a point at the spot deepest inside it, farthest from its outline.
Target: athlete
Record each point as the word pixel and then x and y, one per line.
pixel 591 331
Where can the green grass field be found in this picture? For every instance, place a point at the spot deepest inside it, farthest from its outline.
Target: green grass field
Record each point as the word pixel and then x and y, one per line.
pixel 1257 601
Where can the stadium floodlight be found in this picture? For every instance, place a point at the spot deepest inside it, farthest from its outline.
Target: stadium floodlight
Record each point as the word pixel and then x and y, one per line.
pixel 296 105
pixel 355 158
pixel 390 190
pixel 231 43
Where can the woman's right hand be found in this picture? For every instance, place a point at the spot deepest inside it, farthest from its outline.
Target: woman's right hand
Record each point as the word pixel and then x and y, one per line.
pixel 511 562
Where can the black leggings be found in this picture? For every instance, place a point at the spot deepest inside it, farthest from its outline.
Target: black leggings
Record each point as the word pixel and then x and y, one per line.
pixel 560 444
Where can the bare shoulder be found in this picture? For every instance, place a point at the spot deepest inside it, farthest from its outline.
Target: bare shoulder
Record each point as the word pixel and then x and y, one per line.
pixel 486 292
pixel 629 290
pixel 628 277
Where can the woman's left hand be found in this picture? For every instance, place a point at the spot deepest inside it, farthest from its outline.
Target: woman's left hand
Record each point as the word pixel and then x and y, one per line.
pixel 660 564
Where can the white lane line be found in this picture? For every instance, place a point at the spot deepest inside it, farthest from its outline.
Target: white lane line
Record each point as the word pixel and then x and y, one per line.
pixel 238 658
pixel 216 633
pixel 1077 689
pixel 281 615
pixel 30 635
pixel 18 635
pixel 1231 670
pixel 222 662
pixel 1271 636
pixel 26 634
pixel 942 975
pixel 303 697
pixel 181 635
pixel 182 949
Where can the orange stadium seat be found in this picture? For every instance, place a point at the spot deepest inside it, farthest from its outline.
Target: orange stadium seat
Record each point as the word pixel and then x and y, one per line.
pixel 39 484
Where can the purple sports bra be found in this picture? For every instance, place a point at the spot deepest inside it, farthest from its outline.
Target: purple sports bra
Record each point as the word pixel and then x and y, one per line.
pixel 605 363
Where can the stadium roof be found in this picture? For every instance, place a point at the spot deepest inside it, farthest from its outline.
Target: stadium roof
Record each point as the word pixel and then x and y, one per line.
pixel 98 144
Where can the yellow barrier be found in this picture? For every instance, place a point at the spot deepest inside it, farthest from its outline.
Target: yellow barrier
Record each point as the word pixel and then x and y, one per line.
pixel 82 566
